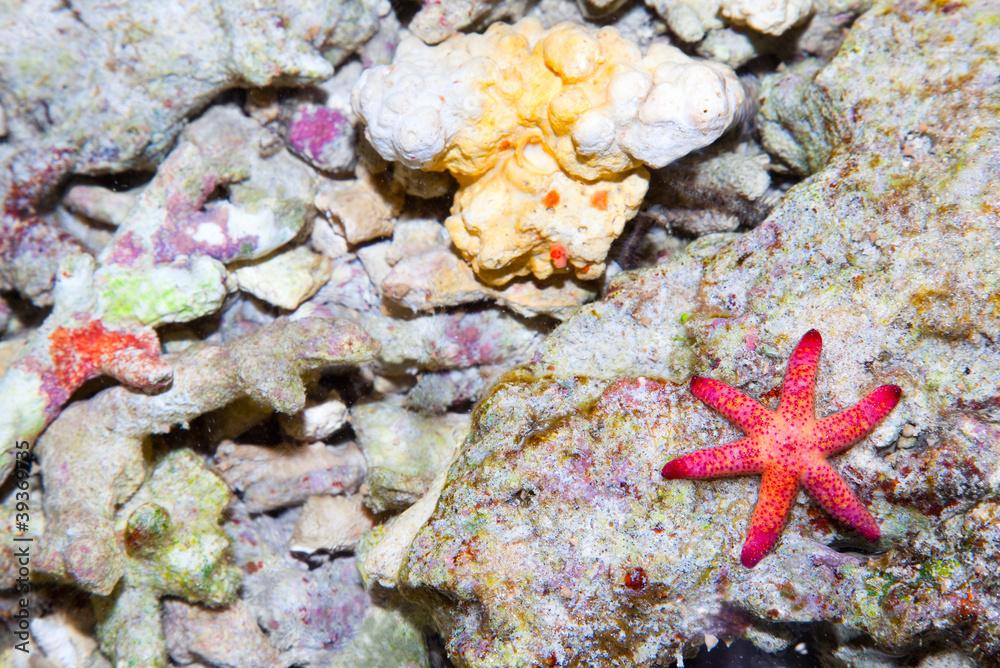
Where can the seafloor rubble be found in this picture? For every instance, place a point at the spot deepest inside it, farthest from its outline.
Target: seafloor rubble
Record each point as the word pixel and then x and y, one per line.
pixel 354 333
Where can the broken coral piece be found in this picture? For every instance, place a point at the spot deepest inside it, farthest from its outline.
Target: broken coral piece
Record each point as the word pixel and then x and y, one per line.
pixel 318 420
pixel 437 21
pixel 323 134
pixel 716 190
pixel 365 207
pixel 404 449
pixel 690 20
pixel 548 133
pixel 174 547
pixel 65 636
pixel 226 636
pixel 31 247
pixel 330 523
pixel 386 637
pixel 382 551
pixel 92 455
pixel 796 126
pixel 279 587
pixel 772 17
pixel 274 477
pixel 166 263
pixel 286 278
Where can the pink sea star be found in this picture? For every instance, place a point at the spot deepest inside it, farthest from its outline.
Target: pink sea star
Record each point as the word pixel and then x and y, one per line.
pixel 788 447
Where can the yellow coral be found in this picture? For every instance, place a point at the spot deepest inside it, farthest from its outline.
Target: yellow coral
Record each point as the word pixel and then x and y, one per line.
pixel 547 134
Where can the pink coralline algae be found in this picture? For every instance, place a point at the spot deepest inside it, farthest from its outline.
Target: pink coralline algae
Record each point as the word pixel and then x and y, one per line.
pixel 313 128
pixel 788 447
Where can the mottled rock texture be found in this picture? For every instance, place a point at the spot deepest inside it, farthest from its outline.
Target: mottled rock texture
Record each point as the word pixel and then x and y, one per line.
pixel 555 540
pixel 92 87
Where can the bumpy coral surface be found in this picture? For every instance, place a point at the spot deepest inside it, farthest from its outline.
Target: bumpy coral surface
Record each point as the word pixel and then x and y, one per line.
pixel 547 132
pixel 175 547
pixel 788 447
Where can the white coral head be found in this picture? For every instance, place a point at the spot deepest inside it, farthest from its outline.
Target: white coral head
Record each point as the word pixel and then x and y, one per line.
pixel 690 106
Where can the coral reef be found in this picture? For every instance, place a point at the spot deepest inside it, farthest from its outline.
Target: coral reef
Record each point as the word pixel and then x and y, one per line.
pixel 547 132
pixel 554 539
pixel 360 333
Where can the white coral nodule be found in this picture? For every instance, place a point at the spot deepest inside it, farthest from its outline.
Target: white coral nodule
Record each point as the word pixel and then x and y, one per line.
pixel 547 132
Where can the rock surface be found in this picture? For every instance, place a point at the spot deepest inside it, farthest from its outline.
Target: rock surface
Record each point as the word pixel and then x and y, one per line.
pixel 555 541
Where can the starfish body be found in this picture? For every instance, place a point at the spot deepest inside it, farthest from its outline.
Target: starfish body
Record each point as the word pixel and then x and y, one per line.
pixel 787 447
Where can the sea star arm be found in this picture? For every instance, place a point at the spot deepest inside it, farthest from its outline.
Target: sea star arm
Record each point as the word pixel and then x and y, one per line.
pixel 737 407
pixel 829 489
pixel 798 391
pixel 838 431
pixel 736 458
pixel 777 494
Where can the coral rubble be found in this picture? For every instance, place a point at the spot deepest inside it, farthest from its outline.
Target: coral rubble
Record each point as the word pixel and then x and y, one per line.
pixel 166 263
pixel 93 452
pixel 357 333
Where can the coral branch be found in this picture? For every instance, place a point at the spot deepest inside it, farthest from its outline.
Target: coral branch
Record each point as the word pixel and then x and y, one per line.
pixel 92 454
pixel 166 263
